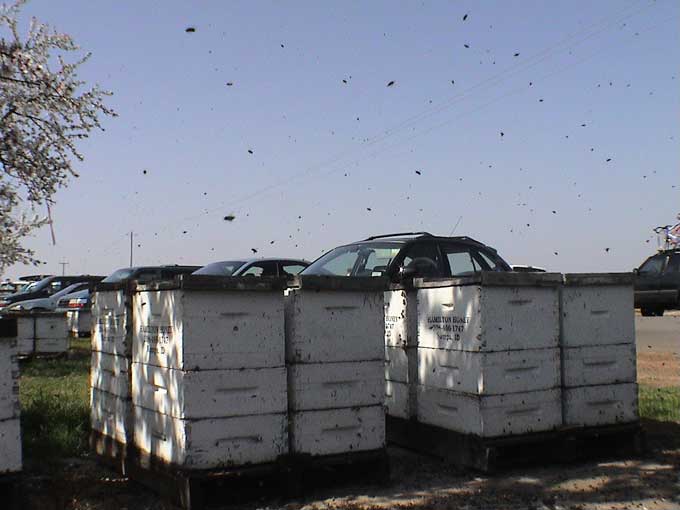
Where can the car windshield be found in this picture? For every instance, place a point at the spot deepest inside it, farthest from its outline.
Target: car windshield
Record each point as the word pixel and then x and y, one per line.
pixel 364 259
pixel 225 268
pixel 119 276
pixel 67 290
pixel 36 286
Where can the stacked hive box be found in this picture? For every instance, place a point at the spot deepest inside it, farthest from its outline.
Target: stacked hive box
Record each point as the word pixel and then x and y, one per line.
pixel 208 372
pixel 335 354
pixel 400 352
pixel 42 333
pixel 10 429
pixel 598 350
pixel 110 399
pixel 79 322
pixel 488 354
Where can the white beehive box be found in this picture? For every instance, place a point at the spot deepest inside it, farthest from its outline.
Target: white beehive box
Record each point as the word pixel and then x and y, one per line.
pixel 397 399
pixel 211 442
pixel 336 385
pixel 599 364
pixel 333 431
pixel 204 323
pixel 209 393
pixel 110 320
pixel 110 373
pixel 79 322
pixel 9 379
pixel 489 312
pixel 396 317
pixel 490 416
pixel 335 319
pixel 397 363
pixel 489 373
pixel 610 404
pixel 111 415
pixel 42 333
pixel 10 446
pixel 597 309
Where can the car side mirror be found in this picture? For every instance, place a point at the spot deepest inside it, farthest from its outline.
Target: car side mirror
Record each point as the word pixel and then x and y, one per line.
pixel 407 272
pixel 636 270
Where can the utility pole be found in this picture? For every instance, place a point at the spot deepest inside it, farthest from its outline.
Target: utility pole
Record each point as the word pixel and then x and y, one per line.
pixel 131 235
pixel 63 265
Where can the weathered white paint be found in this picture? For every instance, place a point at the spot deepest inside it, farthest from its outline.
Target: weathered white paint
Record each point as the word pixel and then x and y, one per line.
pixel 109 323
pixel 489 373
pixel 396 399
pixel 44 333
pixel 397 363
pixel 336 385
pixel 209 393
pixel 111 415
pixel 53 325
pixel 328 326
pixel 212 442
pixel 79 322
pixel 338 430
pixel 10 446
pixel 396 320
pixel 110 373
pixel 610 404
pixel 490 416
pixel 597 315
pixel 494 318
pixel 9 379
pixel 192 330
pixel 43 346
pixel 599 364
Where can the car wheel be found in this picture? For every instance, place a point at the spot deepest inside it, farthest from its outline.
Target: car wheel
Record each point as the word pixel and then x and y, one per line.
pixel 646 312
pixel 659 312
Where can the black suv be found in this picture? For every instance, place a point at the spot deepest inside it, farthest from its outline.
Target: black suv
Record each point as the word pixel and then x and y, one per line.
pixel 46 287
pixel 657 283
pixel 409 255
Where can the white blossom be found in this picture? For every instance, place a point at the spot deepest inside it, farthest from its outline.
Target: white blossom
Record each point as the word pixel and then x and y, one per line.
pixel 44 111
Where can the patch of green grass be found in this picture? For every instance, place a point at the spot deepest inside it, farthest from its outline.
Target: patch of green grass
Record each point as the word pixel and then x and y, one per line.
pixel 55 407
pixel 662 404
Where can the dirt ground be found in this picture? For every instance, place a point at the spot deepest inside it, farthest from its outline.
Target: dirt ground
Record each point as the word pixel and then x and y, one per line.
pixel 417 482
pixel 658 369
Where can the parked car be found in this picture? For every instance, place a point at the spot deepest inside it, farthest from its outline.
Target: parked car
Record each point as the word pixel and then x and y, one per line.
pixel 149 273
pixel 409 255
pixel 254 267
pixel 45 288
pixel 79 300
pixel 47 303
pixel 527 269
pixel 657 283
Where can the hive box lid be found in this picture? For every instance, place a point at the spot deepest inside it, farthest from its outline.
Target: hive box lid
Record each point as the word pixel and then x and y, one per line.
pixel 341 283
pixel 583 279
pixel 493 279
pixel 221 283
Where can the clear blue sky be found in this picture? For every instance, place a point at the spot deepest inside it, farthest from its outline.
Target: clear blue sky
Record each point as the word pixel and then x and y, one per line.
pixel 325 151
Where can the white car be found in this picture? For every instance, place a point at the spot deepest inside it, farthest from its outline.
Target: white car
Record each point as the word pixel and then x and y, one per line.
pixel 46 304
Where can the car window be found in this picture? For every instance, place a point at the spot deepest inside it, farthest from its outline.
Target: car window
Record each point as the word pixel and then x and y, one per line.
pixel 291 269
pixel 54 286
pixel 461 262
pixel 146 275
pixel 361 259
pixel 674 264
pixel 224 268
pixel 424 258
pixel 492 266
pixel 264 268
pixel 652 266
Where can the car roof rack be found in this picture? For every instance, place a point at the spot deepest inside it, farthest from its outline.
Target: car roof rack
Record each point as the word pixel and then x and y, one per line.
pixel 425 234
